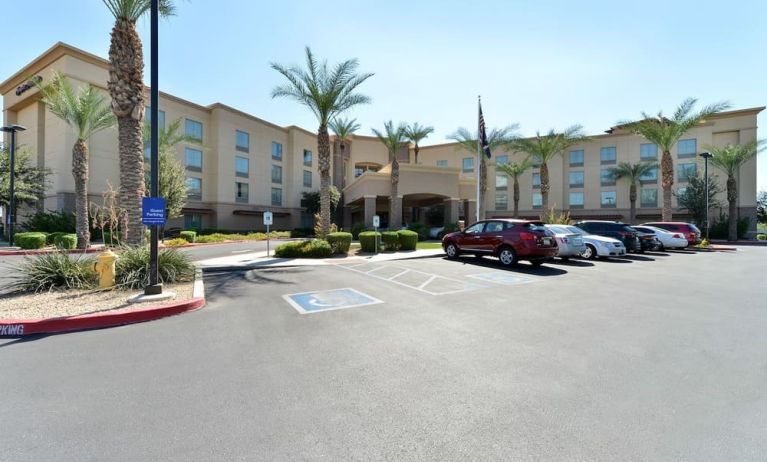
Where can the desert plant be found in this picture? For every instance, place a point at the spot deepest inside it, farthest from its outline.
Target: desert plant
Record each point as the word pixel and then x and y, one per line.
pixel 340 242
pixel 109 216
pixel 51 222
pixel 553 217
pixel 56 270
pixel 65 241
pixel 407 239
pixel 368 240
pixel 319 225
pixel 390 240
pixel 132 267
pixel 188 236
pixel 31 240
pixel 177 242
pixel 316 248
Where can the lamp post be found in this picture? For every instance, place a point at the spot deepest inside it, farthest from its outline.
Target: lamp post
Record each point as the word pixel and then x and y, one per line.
pixel 154 287
pixel 12 129
pixel 706 155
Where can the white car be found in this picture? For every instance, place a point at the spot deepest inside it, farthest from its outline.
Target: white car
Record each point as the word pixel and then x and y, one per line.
pixel 668 239
pixel 598 246
pixel 569 243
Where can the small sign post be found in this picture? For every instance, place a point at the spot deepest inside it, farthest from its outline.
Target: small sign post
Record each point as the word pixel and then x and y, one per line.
pixel 376 224
pixel 268 222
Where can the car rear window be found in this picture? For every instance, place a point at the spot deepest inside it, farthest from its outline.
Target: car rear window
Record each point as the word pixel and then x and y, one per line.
pixel 695 229
pixel 536 226
pixel 628 229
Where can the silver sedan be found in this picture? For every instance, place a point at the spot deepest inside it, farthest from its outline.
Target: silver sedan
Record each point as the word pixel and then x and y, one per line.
pixel 570 244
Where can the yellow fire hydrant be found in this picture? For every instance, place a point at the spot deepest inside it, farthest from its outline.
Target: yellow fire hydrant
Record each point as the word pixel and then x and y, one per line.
pixel 105 268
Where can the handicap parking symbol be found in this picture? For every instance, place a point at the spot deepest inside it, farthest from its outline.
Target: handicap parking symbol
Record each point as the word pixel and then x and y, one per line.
pixel 328 300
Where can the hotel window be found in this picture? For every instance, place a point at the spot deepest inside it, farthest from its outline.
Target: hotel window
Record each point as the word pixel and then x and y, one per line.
pixel 648 151
pixel 193 188
pixel 193 159
pixel 576 179
pixel 649 177
pixel 501 181
pixel 307 158
pixel 537 200
pixel 608 155
pixel 241 166
pixel 537 161
pixel 276 150
pixel 606 177
pixel 307 179
pixel 442 163
pixel 193 129
pixel 242 140
pixel 276 196
pixel 536 180
pixel 608 199
pixel 686 148
pixel 648 197
pixel 681 192
pixel 685 171
pixel 576 200
pixel 276 174
pixel 192 221
pixel 501 160
pixel 468 164
pixel 241 192
pixel 576 158
pixel 160 117
pixel 501 201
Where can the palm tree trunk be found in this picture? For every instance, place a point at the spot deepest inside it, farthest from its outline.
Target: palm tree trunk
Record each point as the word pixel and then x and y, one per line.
pixel 126 87
pixel 633 200
pixel 482 186
pixel 80 174
pixel 516 197
pixel 732 198
pixel 416 153
pixel 667 169
pixel 545 186
pixel 323 151
pixel 395 205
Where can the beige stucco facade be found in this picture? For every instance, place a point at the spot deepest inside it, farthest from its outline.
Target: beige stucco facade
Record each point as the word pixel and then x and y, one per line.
pixel 441 178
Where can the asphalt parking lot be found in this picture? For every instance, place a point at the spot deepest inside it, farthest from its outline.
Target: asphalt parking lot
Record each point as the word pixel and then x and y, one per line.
pixel 652 357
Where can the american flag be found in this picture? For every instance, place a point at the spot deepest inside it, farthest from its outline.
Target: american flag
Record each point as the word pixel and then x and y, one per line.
pixel 483 133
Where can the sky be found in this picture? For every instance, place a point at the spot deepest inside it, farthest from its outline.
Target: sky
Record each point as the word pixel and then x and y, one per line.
pixel 539 64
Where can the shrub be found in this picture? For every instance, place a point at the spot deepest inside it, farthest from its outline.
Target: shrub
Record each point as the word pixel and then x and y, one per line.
pixel 51 238
pixel 30 240
pixel 188 236
pixel 357 228
pixel 340 242
pixel 259 236
pixel 54 270
pixel 449 228
pixel 302 232
pixel 761 237
pixel 65 241
pixel 177 242
pixel 368 241
pixel 719 229
pixel 215 237
pixel 111 239
pixel 553 218
pixel 407 239
pixel 390 240
pixel 316 248
pixel 318 225
pixel 49 222
pixel 421 229
pixel 132 267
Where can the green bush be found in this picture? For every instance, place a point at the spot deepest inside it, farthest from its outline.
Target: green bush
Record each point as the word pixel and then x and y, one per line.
pixel 316 248
pixel 357 228
pixel 54 270
pixel 421 229
pixel 110 238
pixel 449 228
pixel 390 240
pixel 177 242
pixel 302 232
pixel 368 241
pixel 32 240
pixel 407 239
pixel 51 238
pixel 49 222
pixel 761 237
pixel 340 242
pixel 719 230
pixel 208 238
pixel 188 236
pixel 132 267
pixel 65 241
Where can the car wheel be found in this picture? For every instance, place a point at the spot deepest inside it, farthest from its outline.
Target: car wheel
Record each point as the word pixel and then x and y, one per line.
pixel 451 250
pixel 564 258
pixel 507 256
pixel 590 253
pixel 661 248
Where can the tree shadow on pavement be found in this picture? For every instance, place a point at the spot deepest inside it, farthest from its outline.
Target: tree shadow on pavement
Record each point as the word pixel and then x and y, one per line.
pixel 229 283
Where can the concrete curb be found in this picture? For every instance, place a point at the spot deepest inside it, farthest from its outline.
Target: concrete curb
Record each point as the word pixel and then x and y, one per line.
pixel 113 318
pixel 5 253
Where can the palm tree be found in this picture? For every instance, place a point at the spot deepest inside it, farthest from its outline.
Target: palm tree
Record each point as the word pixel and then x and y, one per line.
pixel 343 129
pixel 665 133
pixel 544 148
pixel 126 87
pixel 633 173
pixel 415 133
pixel 498 137
pixel 87 112
pixel 394 140
pixel 515 170
pixel 729 159
pixel 327 93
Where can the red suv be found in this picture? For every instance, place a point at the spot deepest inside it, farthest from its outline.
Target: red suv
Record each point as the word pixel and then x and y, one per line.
pixel 688 230
pixel 509 240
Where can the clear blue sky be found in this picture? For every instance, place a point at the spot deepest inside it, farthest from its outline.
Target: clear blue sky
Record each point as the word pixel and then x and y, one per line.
pixel 546 64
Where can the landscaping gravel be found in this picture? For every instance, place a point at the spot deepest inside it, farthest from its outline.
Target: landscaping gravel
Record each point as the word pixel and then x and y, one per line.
pixel 76 302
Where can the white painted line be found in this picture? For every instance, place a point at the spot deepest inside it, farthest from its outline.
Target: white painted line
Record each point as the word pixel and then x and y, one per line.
pixel 433 277
pixel 501 278
pixel 287 298
pixel 421 287
pixel 399 274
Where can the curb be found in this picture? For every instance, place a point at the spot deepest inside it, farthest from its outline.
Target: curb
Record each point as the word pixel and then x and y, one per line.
pixel 25 327
pixel 5 253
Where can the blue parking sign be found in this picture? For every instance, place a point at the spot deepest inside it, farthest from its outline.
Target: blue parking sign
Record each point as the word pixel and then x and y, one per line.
pixel 153 211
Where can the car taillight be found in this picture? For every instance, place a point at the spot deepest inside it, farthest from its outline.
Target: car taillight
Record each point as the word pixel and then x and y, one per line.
pixel 527 236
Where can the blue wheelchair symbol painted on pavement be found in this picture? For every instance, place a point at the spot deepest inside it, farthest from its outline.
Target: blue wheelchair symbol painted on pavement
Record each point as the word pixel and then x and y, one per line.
pixel 327 300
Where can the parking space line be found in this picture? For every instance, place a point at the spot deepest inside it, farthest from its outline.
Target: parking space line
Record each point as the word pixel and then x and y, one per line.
pixel 399 274
pixel 465 287
pixel 433 277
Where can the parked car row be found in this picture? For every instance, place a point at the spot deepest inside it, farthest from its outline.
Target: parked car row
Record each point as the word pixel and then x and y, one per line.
pixel 512 240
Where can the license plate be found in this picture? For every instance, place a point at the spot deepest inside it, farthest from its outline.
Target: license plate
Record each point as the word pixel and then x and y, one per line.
pixel 546 241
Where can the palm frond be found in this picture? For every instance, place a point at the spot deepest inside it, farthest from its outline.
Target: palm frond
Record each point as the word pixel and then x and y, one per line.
pixel 730 158
pixel 417 132
pixel 344 128
pixel 392 137
pixel 131 10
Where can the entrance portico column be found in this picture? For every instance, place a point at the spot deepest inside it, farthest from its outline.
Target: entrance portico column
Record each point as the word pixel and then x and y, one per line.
pixel 347 221
pixel 370 210
pixel 471 211
pixel 451 210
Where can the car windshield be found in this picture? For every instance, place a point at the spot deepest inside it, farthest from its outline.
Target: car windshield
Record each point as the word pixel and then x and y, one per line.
pixel 576 230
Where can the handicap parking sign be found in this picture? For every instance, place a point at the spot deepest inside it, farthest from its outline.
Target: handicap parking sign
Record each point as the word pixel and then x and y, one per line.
pixel 328 300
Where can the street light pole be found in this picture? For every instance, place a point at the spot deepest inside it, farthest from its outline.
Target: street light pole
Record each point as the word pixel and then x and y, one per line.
pixel 12 129
pixel 154 287
pixel 706 156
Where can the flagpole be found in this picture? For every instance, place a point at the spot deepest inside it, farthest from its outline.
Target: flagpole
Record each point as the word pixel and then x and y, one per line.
pixel 479 159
